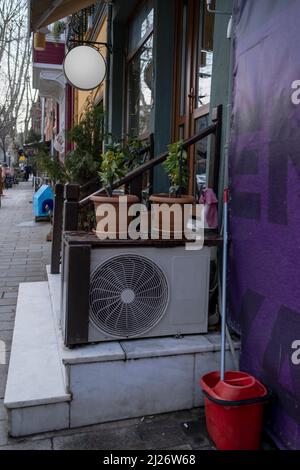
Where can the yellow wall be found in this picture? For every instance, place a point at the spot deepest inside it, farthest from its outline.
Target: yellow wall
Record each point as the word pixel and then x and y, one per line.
pixel 95 95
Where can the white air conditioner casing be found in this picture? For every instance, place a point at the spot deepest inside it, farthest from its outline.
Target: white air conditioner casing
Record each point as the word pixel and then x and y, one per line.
pixel 147 292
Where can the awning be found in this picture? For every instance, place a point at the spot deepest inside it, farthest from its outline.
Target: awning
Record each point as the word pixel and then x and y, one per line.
pixel 44 12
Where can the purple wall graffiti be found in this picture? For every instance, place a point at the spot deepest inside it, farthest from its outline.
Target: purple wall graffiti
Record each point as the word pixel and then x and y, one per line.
pixel 264 271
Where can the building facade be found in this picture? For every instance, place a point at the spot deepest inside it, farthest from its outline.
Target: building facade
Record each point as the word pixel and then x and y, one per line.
pixel 169 63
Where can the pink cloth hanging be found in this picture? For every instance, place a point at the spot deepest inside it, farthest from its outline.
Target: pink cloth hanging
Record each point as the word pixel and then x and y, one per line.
pixel 210 201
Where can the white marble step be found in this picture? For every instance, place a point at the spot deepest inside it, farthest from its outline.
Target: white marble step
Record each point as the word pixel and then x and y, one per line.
pixel 35 375
pixel 54 281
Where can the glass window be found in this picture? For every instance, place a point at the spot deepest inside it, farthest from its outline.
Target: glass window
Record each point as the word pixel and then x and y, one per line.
pixel 141 89
pixel 183 78
pixel 201 149
pixel 140 71
pixel 205 58
pixel 181 132
pixel 141 25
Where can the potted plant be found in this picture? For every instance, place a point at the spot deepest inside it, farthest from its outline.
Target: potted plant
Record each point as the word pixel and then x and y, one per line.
pixel 176 166
pixel 117 160
pixel 59 27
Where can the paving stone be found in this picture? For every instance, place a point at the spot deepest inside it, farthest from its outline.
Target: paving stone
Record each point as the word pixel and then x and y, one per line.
pixel 9 290
pixel 7 316
pixel 16 259
pixel 3 415
pixel 6 325
pixel 41 444
pixel 4 362
pixel 16 278
pixel 10 295
pixel 18 262
pixel 3 433
pixel 158 436
pixel 196 433
pixel 117 439
pixel 6 336
pixel 3 378
pixel 7 302
pixel 16 268
pixel 184 447
pixel 36 278
pixel 7 309
pixel 34 268
pixel 14 282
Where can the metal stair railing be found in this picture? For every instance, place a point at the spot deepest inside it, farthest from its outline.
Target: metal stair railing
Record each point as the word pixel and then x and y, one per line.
pixel 67 199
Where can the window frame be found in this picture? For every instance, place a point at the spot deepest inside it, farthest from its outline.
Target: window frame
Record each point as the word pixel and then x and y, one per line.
pixel 194 39
pixel 129 57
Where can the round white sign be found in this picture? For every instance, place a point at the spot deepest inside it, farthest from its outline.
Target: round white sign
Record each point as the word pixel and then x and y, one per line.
pixel 85 67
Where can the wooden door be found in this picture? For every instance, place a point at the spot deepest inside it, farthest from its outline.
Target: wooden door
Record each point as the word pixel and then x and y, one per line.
pixel 192 81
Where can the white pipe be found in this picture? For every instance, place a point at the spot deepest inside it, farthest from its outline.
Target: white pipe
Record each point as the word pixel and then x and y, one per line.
pixel 43 120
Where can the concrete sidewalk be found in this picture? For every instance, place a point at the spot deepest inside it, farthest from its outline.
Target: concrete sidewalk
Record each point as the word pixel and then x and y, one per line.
pixel 24 254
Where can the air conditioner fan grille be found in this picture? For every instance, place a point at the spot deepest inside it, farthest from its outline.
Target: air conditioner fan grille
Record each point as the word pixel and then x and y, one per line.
pixel 128 295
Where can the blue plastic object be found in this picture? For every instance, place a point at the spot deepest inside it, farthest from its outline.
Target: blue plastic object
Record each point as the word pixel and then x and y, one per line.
pixel 43 201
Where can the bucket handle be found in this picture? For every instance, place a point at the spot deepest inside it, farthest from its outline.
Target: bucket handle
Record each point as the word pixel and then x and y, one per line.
pixel 249 401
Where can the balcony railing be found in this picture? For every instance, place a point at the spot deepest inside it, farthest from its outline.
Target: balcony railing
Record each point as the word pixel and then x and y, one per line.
pixel 79 25
pixel 67 203
pixel 81 22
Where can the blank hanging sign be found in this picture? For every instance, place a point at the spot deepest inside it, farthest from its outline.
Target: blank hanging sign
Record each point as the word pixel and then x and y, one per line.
pixel 85 67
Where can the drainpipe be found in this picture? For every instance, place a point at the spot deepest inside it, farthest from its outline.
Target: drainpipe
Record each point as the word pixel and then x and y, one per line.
pixel 43 120
pixel 108 65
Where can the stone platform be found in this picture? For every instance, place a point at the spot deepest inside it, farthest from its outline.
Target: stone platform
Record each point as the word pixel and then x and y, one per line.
pixel 50 387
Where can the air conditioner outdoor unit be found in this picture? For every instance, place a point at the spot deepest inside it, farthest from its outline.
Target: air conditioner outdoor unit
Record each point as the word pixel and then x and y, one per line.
pixel 127 292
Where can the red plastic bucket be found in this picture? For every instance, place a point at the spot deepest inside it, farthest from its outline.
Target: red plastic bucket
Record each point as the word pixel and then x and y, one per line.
pixel 234 409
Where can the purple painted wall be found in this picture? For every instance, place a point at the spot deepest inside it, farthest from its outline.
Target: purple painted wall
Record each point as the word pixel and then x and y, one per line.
pixel 264 270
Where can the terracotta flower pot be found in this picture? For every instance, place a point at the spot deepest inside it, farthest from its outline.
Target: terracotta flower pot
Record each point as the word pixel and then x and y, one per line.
pixel 121 210
pixel 178 222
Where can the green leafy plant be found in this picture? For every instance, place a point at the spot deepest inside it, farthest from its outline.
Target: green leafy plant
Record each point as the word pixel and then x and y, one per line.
pixel 112 166
pixel 51 165
pixel 87 219
pixel 82 163
pixel 58 28
pixel 119 159
pixel 32 137
pixel 80 166
pixel 177 168
pixel 132 148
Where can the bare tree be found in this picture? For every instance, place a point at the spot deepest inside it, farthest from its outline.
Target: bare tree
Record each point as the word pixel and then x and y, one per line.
pixel 10 11
pixel 16 96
